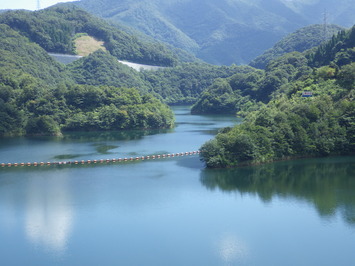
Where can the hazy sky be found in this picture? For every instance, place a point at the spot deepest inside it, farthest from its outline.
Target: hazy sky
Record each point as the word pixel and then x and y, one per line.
pixel 28 4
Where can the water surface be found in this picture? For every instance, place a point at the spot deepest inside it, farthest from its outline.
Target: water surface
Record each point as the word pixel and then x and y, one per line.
pixel 171 211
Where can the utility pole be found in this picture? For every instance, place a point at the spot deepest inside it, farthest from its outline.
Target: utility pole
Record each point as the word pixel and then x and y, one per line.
pixel 38 5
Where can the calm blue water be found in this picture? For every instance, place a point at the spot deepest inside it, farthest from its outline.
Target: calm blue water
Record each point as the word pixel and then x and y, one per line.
pixel 171 211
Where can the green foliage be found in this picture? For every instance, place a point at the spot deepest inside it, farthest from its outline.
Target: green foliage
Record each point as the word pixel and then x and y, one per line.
pixel 101 68
pixel 42 125
pixel 339 49
pixel 249 86
pixel 17 52
pixel 111 108
pixel 184 83
pixel 291 126
pixel 39 97
pixel 288 128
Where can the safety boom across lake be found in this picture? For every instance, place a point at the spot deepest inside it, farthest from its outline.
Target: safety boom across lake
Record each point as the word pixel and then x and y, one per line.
pixel 102 161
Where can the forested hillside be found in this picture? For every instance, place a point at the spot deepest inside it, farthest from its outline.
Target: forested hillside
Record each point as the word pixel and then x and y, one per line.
pixel 299 41
pixel 221 31
pixel 184 83
pixel 101 68
pixel 290 125
pixel 17 53
pixel 56 28
pixel 243 91
pixel 40 97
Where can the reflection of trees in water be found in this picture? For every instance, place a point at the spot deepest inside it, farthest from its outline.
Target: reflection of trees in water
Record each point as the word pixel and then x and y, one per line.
pixel 328 183
pixel 111 136
pixel 96 136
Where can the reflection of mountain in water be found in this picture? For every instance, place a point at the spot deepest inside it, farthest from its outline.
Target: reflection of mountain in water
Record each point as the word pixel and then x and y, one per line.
pixel 328 184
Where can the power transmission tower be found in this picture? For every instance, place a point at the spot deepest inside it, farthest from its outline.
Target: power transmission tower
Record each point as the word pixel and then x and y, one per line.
pixel 38 5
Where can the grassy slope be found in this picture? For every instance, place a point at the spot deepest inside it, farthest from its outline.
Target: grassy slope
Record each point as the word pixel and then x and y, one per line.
pixel 85 45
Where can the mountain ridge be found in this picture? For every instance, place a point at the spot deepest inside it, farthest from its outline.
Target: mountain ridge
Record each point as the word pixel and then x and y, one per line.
pixel 221 31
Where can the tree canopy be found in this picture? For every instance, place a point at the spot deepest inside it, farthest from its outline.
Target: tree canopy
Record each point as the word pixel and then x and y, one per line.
pixel 290 125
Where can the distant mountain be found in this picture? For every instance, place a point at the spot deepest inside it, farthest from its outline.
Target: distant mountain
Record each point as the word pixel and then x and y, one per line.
pixel 56 28
pixel 222 31
pixel 299 41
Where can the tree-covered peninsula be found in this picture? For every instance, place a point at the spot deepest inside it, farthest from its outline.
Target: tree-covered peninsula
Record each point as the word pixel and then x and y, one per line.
pixel 290 125
pixel 39 96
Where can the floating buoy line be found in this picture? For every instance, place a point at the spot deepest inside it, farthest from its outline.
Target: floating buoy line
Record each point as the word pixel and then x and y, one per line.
pixel 101 161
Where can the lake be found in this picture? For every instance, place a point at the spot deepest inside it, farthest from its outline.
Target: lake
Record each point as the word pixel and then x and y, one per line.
pixel 170 211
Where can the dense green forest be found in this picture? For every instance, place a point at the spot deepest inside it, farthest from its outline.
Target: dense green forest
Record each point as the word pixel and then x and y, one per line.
pixel 101 68
pixel 299 41
pixel 55 29
pixel 290 125
pixel 40 97
pixel 184 83
pixel 245 91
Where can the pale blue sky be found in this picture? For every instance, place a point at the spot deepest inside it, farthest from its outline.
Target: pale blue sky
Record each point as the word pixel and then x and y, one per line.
pixel 28 4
